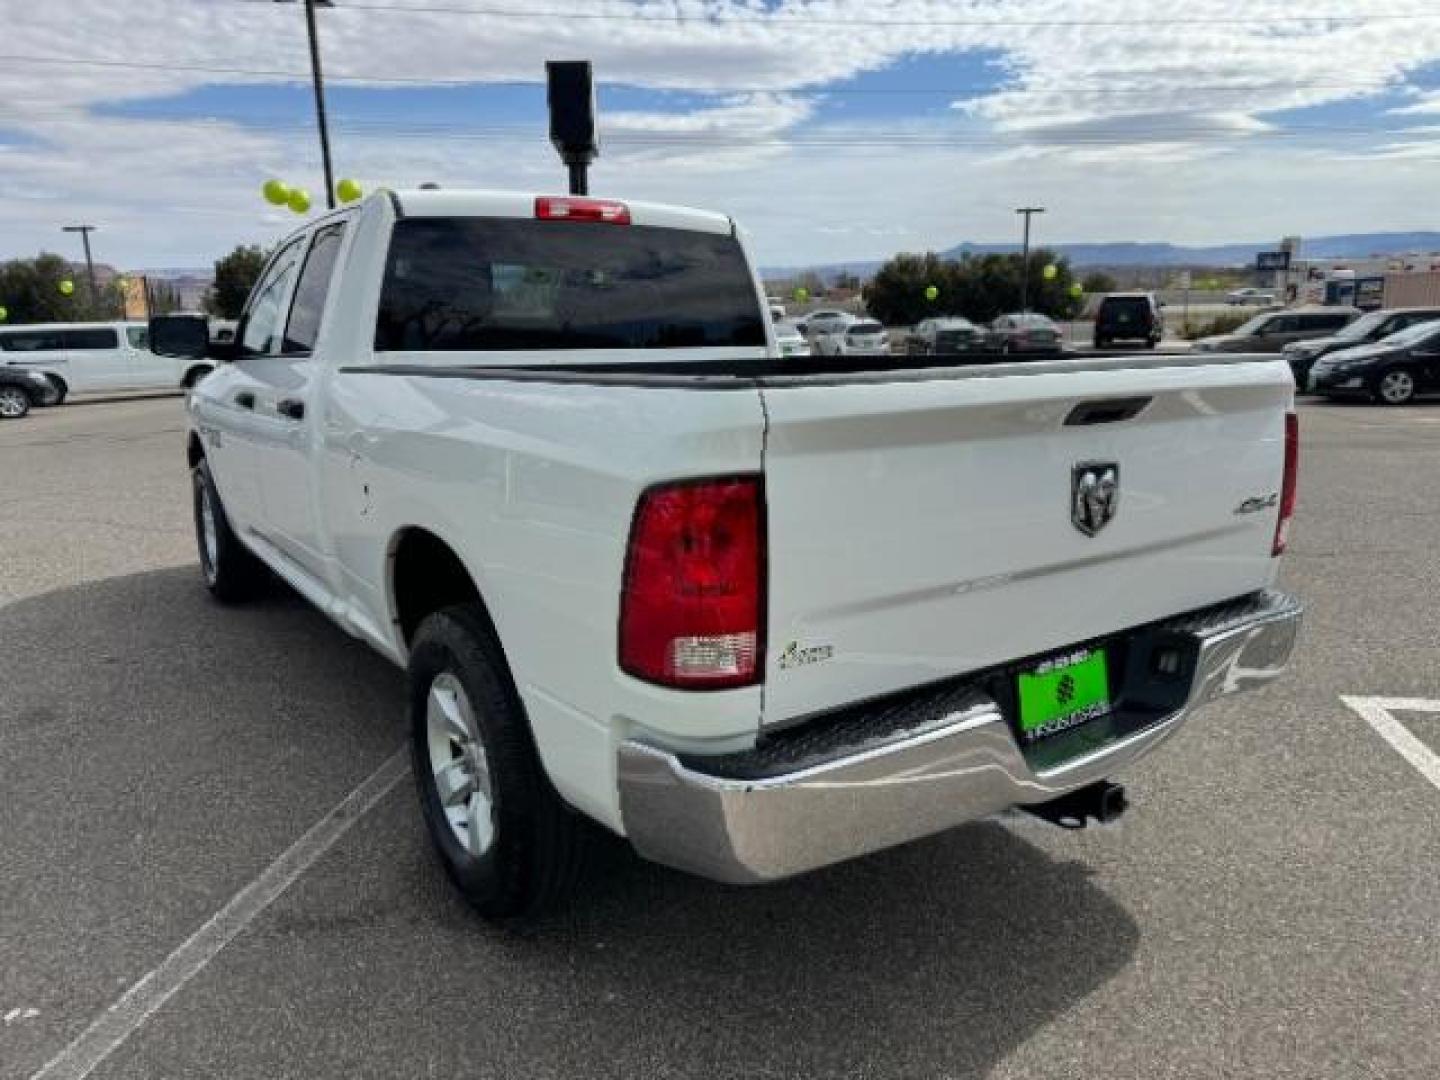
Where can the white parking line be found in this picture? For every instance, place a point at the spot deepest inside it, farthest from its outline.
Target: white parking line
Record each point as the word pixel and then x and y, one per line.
pixel 112 1027
pixel 1379 713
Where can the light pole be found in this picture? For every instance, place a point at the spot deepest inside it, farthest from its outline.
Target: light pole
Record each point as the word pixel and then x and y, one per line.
pixel 317 79
pixel 85 231
pixel 1027 212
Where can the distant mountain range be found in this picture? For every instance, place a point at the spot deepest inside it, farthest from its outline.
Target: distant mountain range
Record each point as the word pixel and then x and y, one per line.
pixel 1344 246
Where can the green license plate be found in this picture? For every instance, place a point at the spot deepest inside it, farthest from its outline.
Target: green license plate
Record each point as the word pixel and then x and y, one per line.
pixel 1063 693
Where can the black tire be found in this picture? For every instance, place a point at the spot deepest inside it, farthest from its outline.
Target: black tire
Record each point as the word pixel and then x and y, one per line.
pixel 535 850
pixel 231 573
pixel 61 389
pixel 15 402
pixel 1394 386
pixel 1100 342
pixel 1150 343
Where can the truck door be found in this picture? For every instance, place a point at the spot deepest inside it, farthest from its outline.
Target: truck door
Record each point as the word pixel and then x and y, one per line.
pixel 237 461
pixel 285 413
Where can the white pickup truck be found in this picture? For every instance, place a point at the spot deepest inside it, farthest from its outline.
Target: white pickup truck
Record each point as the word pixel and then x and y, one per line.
pixel 758 616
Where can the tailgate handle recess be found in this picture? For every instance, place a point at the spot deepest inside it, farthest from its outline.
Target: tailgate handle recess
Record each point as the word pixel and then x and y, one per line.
pixel 1106 412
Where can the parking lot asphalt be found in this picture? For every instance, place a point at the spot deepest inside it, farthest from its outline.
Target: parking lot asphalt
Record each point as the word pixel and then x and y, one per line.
pixel 1268 908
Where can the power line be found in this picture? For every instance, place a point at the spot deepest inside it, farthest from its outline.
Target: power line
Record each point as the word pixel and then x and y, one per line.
pixel 679 16
pixel 1100 85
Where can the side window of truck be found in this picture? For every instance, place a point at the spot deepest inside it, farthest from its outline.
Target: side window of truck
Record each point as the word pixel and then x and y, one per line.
pixel 260 327
pixel 308 306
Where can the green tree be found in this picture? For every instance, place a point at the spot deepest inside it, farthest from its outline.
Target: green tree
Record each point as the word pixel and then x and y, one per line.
pixel 896 294
pixel 30 291
pixel 978 287
pixel 235 275
pixel 1099 282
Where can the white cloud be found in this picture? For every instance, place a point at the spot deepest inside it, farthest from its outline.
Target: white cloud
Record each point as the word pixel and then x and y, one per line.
pixel 1130 125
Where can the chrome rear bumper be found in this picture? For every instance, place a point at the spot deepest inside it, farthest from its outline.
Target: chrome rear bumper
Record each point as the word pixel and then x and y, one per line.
pixel 902 772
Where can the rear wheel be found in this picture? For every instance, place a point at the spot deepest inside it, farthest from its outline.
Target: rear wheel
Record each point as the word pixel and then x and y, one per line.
pixel 14 402
pixel 1395 387
pixel 231 573
pixel 503 835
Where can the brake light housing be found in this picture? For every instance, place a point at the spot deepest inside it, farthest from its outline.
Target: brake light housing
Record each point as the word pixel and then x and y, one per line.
pixel 1288 484
pixel 692 604
pixel 574 208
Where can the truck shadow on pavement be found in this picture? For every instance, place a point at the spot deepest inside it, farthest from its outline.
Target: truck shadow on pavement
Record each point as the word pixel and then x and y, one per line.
pixel 936 959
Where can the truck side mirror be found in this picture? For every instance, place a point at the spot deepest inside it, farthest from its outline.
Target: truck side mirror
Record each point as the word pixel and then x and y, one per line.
pixel 185 336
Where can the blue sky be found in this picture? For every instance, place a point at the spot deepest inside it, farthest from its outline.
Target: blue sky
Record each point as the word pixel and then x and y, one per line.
pixel 833 129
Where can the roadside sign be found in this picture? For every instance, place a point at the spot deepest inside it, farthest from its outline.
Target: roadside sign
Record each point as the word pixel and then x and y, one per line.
pixel 1272 261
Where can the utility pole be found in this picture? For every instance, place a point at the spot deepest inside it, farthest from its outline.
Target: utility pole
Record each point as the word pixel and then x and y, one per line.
pixel 317 79
pixel 85 231
pixel 1026 212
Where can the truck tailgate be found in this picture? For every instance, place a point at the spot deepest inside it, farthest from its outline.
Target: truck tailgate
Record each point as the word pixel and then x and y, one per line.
pixel 923 526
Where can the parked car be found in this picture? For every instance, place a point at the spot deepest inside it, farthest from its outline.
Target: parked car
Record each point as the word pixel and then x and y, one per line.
pixel 756 620
pixel 821 322
pixel 82 357
pixel 1248 296
pixel 1370 327
pixel 1393 372
pixel 945 335
pixel 20 390
pixel 861 337
pixel 1134 316
pixel 826 334
pixel 789 340
pixel 1025 332
pixel 1271 331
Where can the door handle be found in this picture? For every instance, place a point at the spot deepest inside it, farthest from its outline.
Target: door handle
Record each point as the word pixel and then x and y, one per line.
pixel 245 399
pixel 291 408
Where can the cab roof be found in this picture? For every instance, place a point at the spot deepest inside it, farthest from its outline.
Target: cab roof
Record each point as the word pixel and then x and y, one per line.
pixel 468 202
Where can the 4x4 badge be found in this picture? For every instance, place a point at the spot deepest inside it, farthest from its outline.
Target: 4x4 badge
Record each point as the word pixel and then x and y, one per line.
pixel 1094 495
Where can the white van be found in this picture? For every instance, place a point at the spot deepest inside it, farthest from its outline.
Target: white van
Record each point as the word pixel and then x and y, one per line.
pixel 85 357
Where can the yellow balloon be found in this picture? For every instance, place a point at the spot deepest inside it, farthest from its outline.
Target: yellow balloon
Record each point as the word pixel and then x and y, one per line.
pixel 1051 272
pixel 348 190
pixel 931 292
pixel 1077 289
pixel 67 287
pixel 299 200
pixel 276 192
pixel 802 294
pixel 4 313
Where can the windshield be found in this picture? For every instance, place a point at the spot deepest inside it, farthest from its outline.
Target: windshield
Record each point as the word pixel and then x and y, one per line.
pixel 865 328
pixel 1361 327
pixel 515 283
pixel 1413 335
pixel 1252 327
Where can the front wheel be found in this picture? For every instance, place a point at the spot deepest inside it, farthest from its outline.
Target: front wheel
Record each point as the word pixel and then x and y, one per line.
pixel 231 573
pixel 1395 387
pixel 14 402
pixel 503 835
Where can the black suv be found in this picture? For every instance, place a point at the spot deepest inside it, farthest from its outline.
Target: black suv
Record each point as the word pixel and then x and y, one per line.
pixel 1129 317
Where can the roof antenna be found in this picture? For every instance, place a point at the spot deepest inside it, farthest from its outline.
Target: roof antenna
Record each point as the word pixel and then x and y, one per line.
pixel 571 97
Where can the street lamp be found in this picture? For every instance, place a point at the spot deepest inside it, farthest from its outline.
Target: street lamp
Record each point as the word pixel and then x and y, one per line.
pixel 1027 212
pixel 317 78
pixel 85 231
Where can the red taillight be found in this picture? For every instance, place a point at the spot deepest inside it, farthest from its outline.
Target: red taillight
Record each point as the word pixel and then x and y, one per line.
pixel 1287 483
pixel 693 603
pixel 556 208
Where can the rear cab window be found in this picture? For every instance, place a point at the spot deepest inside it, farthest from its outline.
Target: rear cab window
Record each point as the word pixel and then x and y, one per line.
pixel 514 284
